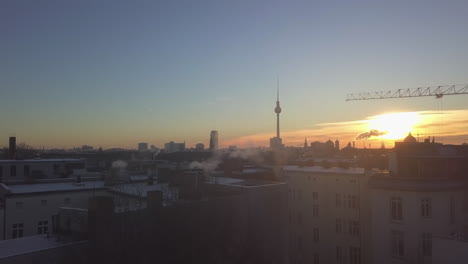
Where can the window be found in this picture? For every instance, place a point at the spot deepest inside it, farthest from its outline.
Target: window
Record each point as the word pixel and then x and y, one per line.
pixel 315 210
pixel 315 195
pixel 452 210
pixel 354 255
pixel 17 230
pixel 354 202
pixel 397 244
pixel 67 201
pixel 42 227
pixel 19 205
pixel 316 258
pixel 316 235
pixel 338 225
pixel 396 211
pixel 338 200
pixel 13 170
pixel 26 170
pixel 299 218
pixel 43 202
pixel 339 253
pixel 426 244
pixel 299 243
pixel 426 208
pixel 354 228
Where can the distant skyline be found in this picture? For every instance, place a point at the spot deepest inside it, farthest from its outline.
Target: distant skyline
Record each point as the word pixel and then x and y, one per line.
pixel 115 73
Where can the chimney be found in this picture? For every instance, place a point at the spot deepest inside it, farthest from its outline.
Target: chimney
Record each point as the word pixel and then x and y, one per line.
pixel 12 148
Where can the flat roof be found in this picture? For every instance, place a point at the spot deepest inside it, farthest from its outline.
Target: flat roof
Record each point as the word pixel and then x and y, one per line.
pixel 319 169
pixel 53 187
pixel 30 244
pixel 140 189
pixel 41 160
pixel 241 182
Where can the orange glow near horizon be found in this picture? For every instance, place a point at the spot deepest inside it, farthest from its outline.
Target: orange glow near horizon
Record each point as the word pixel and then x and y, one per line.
pixel 395 125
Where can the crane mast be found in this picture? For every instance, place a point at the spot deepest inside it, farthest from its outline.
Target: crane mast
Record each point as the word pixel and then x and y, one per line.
pixel 437 91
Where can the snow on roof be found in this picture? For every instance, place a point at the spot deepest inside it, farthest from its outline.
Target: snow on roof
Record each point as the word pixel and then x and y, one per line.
pixel 319 169
pixel 54 187
pixel 138 189
pixel 25 245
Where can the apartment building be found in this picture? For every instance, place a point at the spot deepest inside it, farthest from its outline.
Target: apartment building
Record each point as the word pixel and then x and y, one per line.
pixel 328 215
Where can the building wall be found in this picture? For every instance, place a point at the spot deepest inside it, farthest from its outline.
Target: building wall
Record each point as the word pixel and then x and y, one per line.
pixel 49 169
pixel 29 209
pixel 320 189
pixel 449 250
pixel 447 216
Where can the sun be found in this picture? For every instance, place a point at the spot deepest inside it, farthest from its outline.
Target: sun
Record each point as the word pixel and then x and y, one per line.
pixel 394 125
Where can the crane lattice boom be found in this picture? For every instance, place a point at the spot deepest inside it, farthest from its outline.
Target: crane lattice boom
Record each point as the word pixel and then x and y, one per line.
pixel 437 91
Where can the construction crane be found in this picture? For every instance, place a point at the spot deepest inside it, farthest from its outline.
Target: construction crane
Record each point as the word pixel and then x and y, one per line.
pixel 437 91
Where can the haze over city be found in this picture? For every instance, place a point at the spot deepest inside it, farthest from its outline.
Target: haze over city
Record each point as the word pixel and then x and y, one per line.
pixel 113 73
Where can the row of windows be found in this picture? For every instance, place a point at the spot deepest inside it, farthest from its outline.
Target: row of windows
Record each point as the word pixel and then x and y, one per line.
pixel 396 208
pixel 346 201
pixel 297 194
pixel 66 201
pixel 353 227
pixel 354 254
pixel 397 244
pixel 18 229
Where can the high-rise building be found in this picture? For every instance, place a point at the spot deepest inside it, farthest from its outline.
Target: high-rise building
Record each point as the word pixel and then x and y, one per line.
pixel 142 146
pixel 214 140
pixel 276 142
pixel 12 148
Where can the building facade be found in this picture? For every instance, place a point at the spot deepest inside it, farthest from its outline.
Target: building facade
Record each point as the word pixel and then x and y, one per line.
pixel 22 170
pixel 214 140
pixel 328 215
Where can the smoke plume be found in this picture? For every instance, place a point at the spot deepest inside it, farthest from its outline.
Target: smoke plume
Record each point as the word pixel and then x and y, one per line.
pixel 371 133
pixel 119 164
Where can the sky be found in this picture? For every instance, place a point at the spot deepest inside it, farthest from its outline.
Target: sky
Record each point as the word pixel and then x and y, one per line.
pixel 113 73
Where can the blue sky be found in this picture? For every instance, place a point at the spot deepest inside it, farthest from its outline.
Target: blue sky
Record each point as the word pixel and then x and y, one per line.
pixel 114 73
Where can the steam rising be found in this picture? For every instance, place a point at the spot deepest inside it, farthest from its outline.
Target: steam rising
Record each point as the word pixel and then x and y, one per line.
pixel 211 164
pixel 371 133
pixel 119 164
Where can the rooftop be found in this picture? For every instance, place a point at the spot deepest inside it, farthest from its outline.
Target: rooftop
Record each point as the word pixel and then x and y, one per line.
pixel 319 169
pixel 41 160
pixel 241 182
pixel 52 187
pixel 25 245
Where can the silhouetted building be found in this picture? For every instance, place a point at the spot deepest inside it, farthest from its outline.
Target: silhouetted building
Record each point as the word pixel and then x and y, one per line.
pixel 142 146
pixel 12 148
pixel 174 147
pixel 214 140
pixel 199 146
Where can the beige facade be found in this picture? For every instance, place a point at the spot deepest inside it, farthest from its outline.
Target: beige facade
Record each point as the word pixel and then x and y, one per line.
pixel 407 214
pixel 328 215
